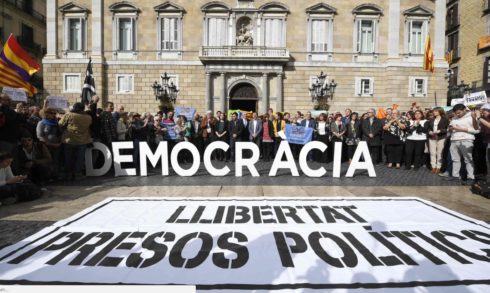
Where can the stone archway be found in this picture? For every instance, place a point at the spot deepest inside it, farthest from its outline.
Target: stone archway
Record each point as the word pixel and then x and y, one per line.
pixel 243 96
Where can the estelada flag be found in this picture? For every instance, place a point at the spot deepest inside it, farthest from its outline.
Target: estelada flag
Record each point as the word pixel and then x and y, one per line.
pixel 428 55
pixel 17 67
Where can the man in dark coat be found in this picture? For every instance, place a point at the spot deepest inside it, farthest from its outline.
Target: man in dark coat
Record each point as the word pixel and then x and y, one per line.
pixel 371 133
pixel 235 129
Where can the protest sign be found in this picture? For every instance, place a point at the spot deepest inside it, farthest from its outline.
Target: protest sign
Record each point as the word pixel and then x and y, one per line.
pixel 188 112
pixel 247 244
pixel 170 133
pixel 454 102
pixel 475 99
pixel 57 102
pixel 298 134
pixel 16 95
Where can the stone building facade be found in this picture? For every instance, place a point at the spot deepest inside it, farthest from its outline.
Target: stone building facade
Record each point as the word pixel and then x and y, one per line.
pixel 248 54
pixel 468 39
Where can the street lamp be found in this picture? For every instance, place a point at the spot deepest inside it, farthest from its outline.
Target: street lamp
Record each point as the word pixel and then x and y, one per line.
pixel 321 89
pixel 455 91
pixel 165 91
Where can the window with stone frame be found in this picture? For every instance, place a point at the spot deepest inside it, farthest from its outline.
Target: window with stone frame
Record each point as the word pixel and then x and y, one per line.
pixel 169 29
pixel 320 28
pixel 364 86
pixel 366 28
pixel 124 83
pixel 125 22
pixel 75 30
pixel 274 15
pixel 216 24
pixel 418 86
pixel 72 83
pixel 417 20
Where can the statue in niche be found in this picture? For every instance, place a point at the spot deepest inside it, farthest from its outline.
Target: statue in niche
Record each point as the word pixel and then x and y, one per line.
pixel 244 37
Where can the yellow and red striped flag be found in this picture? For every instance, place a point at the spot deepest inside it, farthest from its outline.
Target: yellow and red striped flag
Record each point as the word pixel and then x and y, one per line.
pixel 428 55
pixel 17 67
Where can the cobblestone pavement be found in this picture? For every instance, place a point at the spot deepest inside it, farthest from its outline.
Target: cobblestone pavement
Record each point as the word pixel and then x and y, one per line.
pixel 65 199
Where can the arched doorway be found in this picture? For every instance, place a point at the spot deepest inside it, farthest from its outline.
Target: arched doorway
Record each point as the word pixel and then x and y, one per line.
pixel 244 97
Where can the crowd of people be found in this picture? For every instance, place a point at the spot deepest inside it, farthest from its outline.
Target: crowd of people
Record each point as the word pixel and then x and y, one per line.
pixel 41 145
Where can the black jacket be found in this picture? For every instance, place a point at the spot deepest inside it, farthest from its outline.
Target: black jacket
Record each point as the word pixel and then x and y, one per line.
pixel 442 127
pixel 375 129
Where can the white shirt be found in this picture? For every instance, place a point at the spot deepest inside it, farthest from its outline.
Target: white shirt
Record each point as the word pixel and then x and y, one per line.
pixel 307 123
pixel 5 174
pixel 417 136
pixel 321 127
pixel 255 126
pixel 466 122
pixel 436 123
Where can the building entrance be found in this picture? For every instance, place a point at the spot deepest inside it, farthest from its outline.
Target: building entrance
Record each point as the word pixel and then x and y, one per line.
pixel 243 97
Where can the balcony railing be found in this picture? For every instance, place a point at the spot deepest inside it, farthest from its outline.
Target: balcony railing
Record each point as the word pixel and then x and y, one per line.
pixel 239 52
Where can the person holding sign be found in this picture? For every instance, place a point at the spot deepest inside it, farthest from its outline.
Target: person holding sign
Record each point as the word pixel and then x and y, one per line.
pixel 462 129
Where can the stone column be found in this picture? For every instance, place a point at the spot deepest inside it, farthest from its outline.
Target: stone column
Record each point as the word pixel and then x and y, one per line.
pixel 97 33
pixel 394 29
pixel 209 99
pixel 280 98
pixel 51 29
pixel 223 93
pixel 440 33
pixel 265 93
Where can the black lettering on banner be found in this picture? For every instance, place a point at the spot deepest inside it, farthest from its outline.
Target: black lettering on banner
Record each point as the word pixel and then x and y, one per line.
pixel 71 249
pixel 230 215
pixel 312 214
pixel 280 215
pixel 243 212
pixel 442 237
pixel 36 249
pixel 349 258
pixel 392 248
pixel 176 259
pixel 404 236
pixel 291 213
pixel 441 247
pixel 349 210
pixel 108 248
pixel 285 250
pixel 371 258
pixel 265 214
pixel 159 250
pixel 87 249
pixel 256 215
pixel 219 215
pixel 331 214
pixel 472 234
pixel 197 215
pixel 220 260
pixel 71 239
pixel 111 261
pixel 175 215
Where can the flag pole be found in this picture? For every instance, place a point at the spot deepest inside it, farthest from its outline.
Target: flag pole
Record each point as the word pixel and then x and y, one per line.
pixel 435 99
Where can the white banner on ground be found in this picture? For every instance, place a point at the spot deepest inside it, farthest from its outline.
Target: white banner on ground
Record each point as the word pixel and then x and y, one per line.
pixel 57 102
pixel 16 95
pixel 475 99
pixel 262 244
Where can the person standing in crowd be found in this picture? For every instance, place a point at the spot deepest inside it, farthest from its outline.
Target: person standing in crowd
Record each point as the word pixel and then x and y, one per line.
pixel 352 134
pixel 168 127
pixel 279 125
pixel 394 138
pixel 371 133
pixel 116 115
pixel 208 125
pixel 270 112
pixel 416 139
pixel 196 131
pixel 338 130
pixel 33 159
pixel 49 133
pixel 485 130
pixel 308 122
pixel 122 126
pixel 76 136
pixel 298 117
pixel 346 118
pixel 244 136
pixel 137 132
pixel 157 127
pixel 267 137
pixel 221 132
pixel 9 125
pixel 463 128
pixel 437 136
pixel 235 129
pixel 33 120
pixel 322 132
pixel 9 184
pixel 108 129
pixel 255 129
